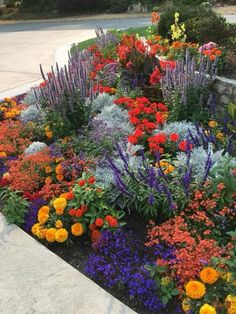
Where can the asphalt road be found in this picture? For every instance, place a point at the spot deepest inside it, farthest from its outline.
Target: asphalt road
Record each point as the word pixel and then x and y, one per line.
pixel 23 46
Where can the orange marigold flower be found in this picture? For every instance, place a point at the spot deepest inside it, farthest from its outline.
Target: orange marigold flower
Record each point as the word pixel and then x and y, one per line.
pixel 59 169
pixel 58 224
pixel 60 204
pixel 77 229
pixel 48 180
pixel 50 235
pixel 61 235
pixel 209 275
pixel 195 289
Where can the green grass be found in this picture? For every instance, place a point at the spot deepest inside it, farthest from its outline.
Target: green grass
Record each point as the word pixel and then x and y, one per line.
pixel 87 43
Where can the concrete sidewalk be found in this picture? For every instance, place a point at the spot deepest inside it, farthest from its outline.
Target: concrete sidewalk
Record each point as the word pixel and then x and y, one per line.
pixel 33 280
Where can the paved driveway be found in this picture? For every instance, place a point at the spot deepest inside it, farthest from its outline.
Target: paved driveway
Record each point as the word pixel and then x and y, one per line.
pixel 23 46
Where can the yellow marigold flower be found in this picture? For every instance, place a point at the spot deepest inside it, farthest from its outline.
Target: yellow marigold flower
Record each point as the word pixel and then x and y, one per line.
pixel 209 275
pixel 195 289
pixel 44 209
pixel 231 299
pixel 58 224
pixel 61 235
pixel 59 169
pixel 3 154
pixel 220 136
pixel 185 305
pixel 49 134
pixel 60 177
pixel 77 229
pixel 50 235
pixel 207 309
pixel 232 310
pixel 212 124
pixel 60 204
pixel 41 233
pixel 48 169
pixel 42 218
pixel 35 228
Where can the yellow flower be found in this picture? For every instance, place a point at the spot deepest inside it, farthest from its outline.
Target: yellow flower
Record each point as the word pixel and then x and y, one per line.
pixel 232 310
pixel 195 289
pixel 48 169
pixel 35 228
pixel 6 175
pixel 207 309
pixel 42 218
pixel 61 235
pixel 58 224
pixel 163 163
pixel 60 177
pixel 77 229
pixel 60 204
pixel 50 235
pixel 41 233
pixel 185 305
pixel 220 136
pixel 231 299
pixel 209 275
pixel 59 169
pixel 212 124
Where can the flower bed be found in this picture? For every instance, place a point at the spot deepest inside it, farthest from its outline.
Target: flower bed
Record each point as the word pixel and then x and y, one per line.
pixel 121 156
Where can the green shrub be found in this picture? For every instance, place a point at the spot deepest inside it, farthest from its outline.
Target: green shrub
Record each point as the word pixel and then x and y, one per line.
pixel 14 207
pixel 38 6
pixel 186 12
pixel 118 6
pixel 212 28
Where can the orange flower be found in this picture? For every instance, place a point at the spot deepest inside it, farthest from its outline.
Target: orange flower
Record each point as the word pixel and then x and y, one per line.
pixel 48 180
pixel 50 235
pixel 77 229
pixel 59 169
pixel 209 275
pixel 155 17
pixel 212 57
pixel 49 134
pixel 60 177
pixel 48 169
pixel 61 235
pixel 195 289
pixel 218 53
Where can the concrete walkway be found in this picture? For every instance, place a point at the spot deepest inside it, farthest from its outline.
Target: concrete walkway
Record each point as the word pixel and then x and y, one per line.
pixel 33 280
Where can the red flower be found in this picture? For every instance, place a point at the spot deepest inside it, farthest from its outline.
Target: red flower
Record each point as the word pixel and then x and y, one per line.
pixel 159 118
pixel 174 137
pixel 134 120
pixel 113 222
pixel 132 139
pixel 155 77
pixel 183 145
pixel 108 218
pixel 72 212
pixel 84 208
pixel 79 213
pixel 92 227
pixel 91 180
pixel 95 235
pixel 70 195
pixel 81 182
pixel 99 222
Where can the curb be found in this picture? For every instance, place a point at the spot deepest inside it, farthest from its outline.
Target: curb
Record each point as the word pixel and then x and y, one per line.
pixel 78 18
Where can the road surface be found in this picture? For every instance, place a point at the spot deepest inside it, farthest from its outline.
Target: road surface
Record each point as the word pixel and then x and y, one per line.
pixel 23 46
